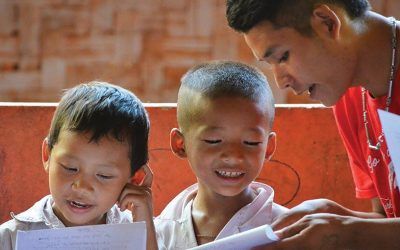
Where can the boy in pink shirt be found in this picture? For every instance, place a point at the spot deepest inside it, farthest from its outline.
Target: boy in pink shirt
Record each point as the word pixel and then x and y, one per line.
pixel 225 114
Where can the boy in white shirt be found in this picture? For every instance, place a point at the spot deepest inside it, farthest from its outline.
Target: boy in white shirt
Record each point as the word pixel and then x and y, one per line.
pixel 98 139
pixel 225 113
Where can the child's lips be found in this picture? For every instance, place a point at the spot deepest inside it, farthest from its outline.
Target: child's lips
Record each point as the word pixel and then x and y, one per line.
pixel 229 174
pixel 79 206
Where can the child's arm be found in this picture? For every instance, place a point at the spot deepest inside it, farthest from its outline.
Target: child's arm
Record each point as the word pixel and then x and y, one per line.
pixel 138 199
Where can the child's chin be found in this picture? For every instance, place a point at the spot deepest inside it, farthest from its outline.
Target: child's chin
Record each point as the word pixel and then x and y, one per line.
pixel 73 221
pixel 76 223
pixel 231 192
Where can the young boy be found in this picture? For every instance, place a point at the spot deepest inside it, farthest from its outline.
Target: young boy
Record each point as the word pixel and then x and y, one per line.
pixel 347 56
pixel 225 113
pixel 97 141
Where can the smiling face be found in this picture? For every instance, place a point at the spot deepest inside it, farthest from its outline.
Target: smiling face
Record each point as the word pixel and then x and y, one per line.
pixel 317 64
pixel 85 178
pixel 226 143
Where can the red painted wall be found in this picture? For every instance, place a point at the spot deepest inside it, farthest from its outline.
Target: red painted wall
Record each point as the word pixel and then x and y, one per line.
pixel 310 161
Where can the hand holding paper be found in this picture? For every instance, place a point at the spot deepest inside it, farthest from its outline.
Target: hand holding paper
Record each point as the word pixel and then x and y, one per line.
pixel 245 240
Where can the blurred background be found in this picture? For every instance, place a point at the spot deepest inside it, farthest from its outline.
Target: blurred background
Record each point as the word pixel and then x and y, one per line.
pixel 143 45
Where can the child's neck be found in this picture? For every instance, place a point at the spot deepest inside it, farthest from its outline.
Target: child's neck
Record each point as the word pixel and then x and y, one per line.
pixel 212 211
pixel 213 203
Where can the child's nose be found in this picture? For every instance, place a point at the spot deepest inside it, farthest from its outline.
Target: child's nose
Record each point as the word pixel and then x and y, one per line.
pixel 233 154
pixel 82 185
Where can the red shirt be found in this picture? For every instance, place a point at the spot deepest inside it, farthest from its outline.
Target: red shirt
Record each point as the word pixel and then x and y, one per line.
pixel 370 168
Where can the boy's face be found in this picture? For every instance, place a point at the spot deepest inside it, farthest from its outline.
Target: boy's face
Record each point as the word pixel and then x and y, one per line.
pixel 85 178
pixel 226 143
pixel 317 65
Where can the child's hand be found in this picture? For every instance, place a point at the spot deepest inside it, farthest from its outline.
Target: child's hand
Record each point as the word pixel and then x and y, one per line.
pixel 138 197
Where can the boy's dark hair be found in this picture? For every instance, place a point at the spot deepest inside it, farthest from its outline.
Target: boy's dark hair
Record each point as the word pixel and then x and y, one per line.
pixel 222 79
pixel 103 110
pixel 243 15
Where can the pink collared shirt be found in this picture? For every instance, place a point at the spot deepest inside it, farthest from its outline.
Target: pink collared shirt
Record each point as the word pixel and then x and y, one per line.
pixel 174 225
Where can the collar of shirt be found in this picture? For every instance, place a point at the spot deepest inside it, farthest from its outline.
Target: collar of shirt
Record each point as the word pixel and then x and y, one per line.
pixel 42 211
pixel 179 211
pixel 246 218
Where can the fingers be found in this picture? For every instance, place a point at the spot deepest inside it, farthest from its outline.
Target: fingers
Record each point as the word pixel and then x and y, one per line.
pixel 286 219
pixel 133 192
pixel 299 211
pixel 291 230
pixel 134 198
pixel 279 223
pixel 138 200
pixel 307 231
pixel 293 236
pixel 297 241
pixel 137 195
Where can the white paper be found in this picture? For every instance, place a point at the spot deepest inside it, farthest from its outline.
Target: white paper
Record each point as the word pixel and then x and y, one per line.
pixel 245 240
pixel 104 237
pixel 391 128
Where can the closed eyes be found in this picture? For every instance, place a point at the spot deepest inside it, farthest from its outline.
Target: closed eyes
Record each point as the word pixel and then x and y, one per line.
pixel 212 141
pixel 105 177
pixel 69 169
pixel 284 57
pixel 73 170
pixel 251 143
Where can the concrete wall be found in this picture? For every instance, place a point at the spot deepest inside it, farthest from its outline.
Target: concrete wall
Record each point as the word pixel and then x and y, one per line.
pixel 310 161
pixel 144 45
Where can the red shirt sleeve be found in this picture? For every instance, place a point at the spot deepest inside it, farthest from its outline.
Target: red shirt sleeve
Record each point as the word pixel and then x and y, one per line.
pixel 348 116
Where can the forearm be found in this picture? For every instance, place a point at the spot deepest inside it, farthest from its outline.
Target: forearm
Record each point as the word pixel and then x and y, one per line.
pixel 151 241
pixel 335 208
pixel 331 231
pixel 374 234
pixel 151 236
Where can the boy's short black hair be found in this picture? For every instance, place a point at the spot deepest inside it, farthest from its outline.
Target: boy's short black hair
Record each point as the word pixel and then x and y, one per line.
pixel 103 110
pixel 223 79
pixel 243 15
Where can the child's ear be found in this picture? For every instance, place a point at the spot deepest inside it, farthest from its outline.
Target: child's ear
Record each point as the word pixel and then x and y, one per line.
pixel 46 154
pixel 177 143
pixel 271 146
pixel 138 177
pixel 326 22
